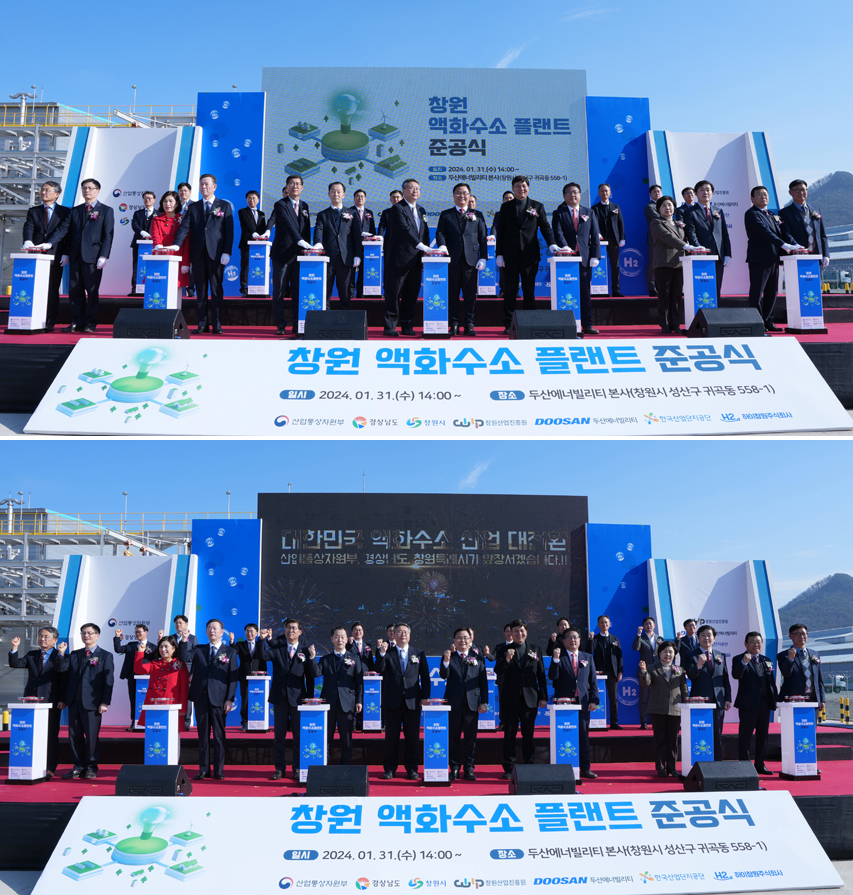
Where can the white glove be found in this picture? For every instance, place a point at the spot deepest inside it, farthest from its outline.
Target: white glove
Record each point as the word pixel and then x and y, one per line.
pixel 185 268
pixel 172 248
pixel 265 235
pixel 824 262
pixel 356 262
pixel 255 236
pixel 27 244
pixel 304 245
pixel 789 248
pixel 727 261
pixel 621 243
pixel 224 260
pixel 157 248
pixel 63 261
pixel 44 246
pixel 692 249
pixel 553 249
pixel 318 246
pixel 101 263
pixel 144 235
pixel 423 248
pixel 443 250
pixel 593 262
pixel 499 261
pixel 481 265
pixel 368 235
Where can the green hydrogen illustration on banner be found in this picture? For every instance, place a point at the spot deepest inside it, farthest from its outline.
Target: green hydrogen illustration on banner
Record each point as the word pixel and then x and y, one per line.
pixel 146 847
pixel 141 386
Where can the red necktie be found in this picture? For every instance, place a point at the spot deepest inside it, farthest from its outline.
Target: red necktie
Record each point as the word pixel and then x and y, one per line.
pixel 575 218
pixel 88 652
pixel 708 212
pixel 575 664
pixel 88 209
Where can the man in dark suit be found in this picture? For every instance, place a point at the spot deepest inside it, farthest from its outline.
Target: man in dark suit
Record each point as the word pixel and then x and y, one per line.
pixel 518 224
pixel 291 675
pixel 46 227
pixel 766 237
pixel 343 689
pixel 366 221
pixel 46 678
pixel 467 693
pixel 651 213
pixel 461 231
pixel 576 227
pixel 688 643
pixel 140 223
pixel 129 650
pixel 337 232
pixel 213 685
pixel 395 196
pixel 88 693
pixel 182 628
pixel 573 674
pixel 291 218
pixel 524 692
pixel 250 655
pixel 357 644
pixel 499 678
pixel 87 248
pixel 646 644
pixel 611 226
pixel 705 225
pixel 209 223
pixel 185 192
pixel 606 653
pixel 406 239
pixel 253 222
pixel 800 668
pixel 710 679
pixel 689 200
pixel 405 683
pixel 804 223
pixel 756 699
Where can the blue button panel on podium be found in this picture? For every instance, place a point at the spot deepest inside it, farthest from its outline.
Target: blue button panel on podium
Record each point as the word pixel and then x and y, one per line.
pixel 313 722
pixel 436 743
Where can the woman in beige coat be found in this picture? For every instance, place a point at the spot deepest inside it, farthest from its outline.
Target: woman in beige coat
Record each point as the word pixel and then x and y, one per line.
pixel 669 242
pixel 668 685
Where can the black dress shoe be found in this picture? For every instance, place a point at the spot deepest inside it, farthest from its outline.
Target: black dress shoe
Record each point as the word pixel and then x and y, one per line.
pixel 454 330
pixel 678 331
pixel 72 774
pixel 506 775
pixel 590 331
pixel 132 294
pixel 407 331
pixel 387 775
pixel 470 775
pixel 615 727
pixel 644 726
pixel 672 773
pixel 412 775
pixel 451 774
pixel 661 773
pixel 589 775
pixel 277 775
pixel 201 330
pixel 665 330
pixel 244 293
pixel 48 329
pixel 506 330
pixel 68 329
pixel 217 330
pixel 770 327
pixel 470 332
pixel 281 331
pixel 219 776
pixel 190 292
pixel 202 775
pixel 618 295
pixel 763 769
pixel 390 333
pixel 88 329
pixel 89 774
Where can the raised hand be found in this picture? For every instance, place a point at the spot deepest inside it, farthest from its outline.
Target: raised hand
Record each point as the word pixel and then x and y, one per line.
pixel 160 634
pixel 792 654
pixel 231 638
pixel 642 667
pixel 700 660
pixel 554 637
pixel 62 647
pixel 485 651
pixel 311 651
pixel 446 656
pixel 16 642
pixel 510 653
pixel 118 632
pixel 556 654
pixel 640 631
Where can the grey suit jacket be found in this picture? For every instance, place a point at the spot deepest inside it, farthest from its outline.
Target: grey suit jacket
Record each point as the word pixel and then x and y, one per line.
pixel 668 242
pixel 665 694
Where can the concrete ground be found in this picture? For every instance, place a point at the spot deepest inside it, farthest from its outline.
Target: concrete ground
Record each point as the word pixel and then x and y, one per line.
pixel 22 882
pixel 13 424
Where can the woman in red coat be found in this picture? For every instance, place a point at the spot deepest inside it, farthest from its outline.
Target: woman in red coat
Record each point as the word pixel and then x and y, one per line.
pixel 164 226
pixel 169 679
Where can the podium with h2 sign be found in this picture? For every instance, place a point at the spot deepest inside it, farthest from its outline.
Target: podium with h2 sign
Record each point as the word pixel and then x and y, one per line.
pixel 313 748
pixel 313 270
pixel 372 264
pixel 799 740
pixel 258 686
pixel 700 284
pixel 162 733
pixel 28 304
pixel 802 294
pixel 600 280
pixel 28 741
pixel 258 274
pixel 565 734
pixel 566 285
pixel 161 281
pixel 436 300
pixel 371 718
pixel 436 743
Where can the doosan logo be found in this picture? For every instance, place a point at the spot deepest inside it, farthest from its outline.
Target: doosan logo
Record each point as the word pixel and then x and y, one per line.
pixel 559 880
pixel 563 421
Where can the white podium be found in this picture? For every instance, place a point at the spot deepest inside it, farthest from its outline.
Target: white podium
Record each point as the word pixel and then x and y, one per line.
pixel 28 742
pixel 144 249
pixel 566 285
pixel 259 267
pixel 258 687
pixel 312 285
pixel 802 294
pixel 28 303
pixel 799 740
pixel 162 733
pixel 488 276
pixel 565 735
pixel 313 745
pixel 371 718
pixel 436 744
pixel 436 299
pixel 697 733
pixel 161 282
pixel 372 264
pixel 700 284
pixel 599 719
pixel 600 280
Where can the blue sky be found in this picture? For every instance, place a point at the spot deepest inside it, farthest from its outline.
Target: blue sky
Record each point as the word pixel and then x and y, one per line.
pixel 787 502
pixel 728 66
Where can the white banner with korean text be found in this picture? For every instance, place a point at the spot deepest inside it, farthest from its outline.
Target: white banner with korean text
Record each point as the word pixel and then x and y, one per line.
pixel 668 842
pixel 529 389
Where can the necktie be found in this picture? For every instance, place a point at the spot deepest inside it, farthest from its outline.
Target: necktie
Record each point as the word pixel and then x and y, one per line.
pixel 296 209
pixel 291 651
pixel 575 664
pixel 708 213
pixel 809 227
pixel 207 207
pixel 403 655
pixel 47 215
pixel 251 647
pixel 338 662
pixel 212 651
pixel 807 671
pixel 575 218
pixel 255 214
pixel 710 657
pixel 88 652
pixel 88 209
pixel 463 656
pixel 43 660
